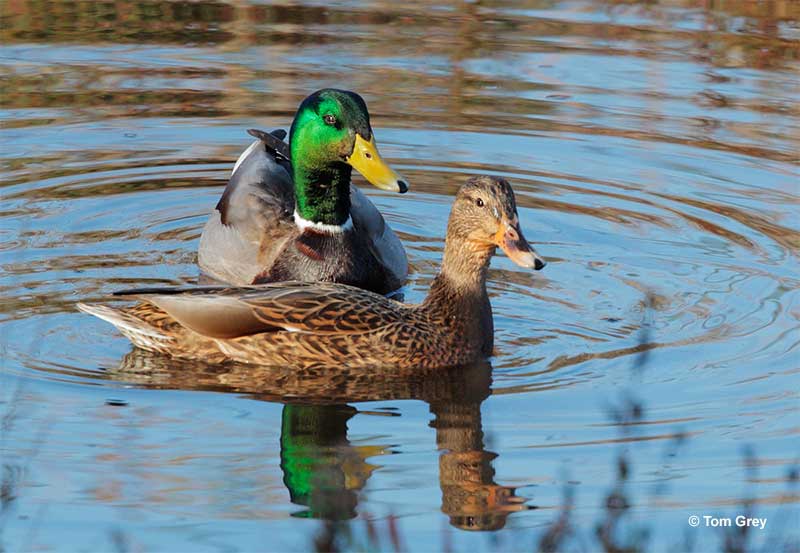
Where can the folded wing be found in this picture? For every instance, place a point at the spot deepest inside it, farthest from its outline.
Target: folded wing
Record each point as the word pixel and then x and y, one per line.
pixel 316 308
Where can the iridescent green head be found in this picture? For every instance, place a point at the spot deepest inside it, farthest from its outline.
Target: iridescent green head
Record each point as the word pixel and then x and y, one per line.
pixel 330 136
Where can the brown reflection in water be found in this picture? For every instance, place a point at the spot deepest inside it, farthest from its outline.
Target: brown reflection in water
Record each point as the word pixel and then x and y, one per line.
pixel 470 497
pixel 322 470
pixel 735 35
pixel 745 24
pixel 118 21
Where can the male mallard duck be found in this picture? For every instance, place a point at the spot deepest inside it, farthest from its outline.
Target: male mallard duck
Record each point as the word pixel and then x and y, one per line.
pixel 297 324
pixel 290 212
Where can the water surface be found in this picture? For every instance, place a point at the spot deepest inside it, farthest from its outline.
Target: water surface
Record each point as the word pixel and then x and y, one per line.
pixel 653 148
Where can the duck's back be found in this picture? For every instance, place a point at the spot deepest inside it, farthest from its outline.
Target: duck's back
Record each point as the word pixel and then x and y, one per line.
pixel 292 324
pixel 251 236
pixel 252 220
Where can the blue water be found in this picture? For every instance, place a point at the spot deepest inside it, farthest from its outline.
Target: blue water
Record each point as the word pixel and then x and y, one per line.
pixel 653 148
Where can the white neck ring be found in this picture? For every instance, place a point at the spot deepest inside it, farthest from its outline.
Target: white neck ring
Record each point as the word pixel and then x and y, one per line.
pixel 304 224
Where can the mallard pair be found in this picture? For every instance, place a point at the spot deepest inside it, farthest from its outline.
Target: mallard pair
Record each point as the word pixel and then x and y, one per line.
pixel 290 217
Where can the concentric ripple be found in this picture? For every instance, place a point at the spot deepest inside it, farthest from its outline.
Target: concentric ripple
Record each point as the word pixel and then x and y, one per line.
pixel 653 152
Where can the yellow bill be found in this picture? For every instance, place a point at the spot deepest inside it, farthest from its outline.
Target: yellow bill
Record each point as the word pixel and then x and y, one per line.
pixel 366 160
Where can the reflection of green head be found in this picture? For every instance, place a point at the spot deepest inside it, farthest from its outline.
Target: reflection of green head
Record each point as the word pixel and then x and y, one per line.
pixel 314 449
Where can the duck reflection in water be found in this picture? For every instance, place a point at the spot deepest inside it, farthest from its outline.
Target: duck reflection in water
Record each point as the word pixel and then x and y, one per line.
pixel 322 470
pixel 470 496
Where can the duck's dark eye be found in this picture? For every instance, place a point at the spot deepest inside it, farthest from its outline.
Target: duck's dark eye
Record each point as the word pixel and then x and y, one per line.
pixel 479 202
pixel 330 119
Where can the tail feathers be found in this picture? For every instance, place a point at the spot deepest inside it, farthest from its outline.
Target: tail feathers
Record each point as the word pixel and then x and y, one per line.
pixel 138 331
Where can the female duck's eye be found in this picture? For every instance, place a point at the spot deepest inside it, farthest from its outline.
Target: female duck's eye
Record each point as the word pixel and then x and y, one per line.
pixel 330 119
pixel 479 202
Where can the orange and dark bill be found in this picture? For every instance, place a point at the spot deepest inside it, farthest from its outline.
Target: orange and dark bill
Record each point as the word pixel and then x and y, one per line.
pixel 510 238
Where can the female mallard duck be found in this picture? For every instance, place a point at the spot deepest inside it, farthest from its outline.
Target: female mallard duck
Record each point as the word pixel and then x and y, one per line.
pixel 290 212
pixel 298 324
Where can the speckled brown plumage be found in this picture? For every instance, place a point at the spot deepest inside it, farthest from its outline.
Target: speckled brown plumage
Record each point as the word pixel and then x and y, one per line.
pixel 308 324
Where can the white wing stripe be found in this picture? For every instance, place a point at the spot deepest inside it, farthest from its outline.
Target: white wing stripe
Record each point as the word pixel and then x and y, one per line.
pixel 250 149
